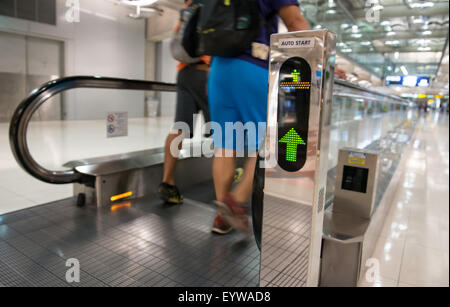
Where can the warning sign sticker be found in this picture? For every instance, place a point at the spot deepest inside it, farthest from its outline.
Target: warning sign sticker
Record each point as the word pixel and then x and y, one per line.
pixel 357 158
pixel 116 124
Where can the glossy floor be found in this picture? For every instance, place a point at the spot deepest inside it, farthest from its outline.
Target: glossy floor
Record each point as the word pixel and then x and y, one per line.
pixel 413 248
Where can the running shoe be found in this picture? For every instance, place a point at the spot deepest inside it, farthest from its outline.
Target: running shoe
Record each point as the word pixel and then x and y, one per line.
pixel 238 173
pixel 220 227
pixel 170 194
pixel 233 214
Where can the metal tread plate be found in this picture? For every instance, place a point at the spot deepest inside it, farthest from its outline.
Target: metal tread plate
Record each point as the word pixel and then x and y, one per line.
pixel 140 243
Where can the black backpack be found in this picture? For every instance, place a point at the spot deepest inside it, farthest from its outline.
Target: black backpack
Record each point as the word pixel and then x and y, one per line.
pixel 223 28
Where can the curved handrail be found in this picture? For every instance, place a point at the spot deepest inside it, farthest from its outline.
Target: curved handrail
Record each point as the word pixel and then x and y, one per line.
pixel 26 109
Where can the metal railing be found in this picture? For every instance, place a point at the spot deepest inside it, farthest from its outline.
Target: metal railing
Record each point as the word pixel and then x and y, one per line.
pixel 24 112
pixel 26 109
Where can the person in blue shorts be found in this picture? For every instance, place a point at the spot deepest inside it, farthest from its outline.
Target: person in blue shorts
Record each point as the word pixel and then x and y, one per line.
pixel 237 89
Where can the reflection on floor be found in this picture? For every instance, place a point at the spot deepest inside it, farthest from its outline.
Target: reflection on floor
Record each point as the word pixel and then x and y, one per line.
pixel 141 243
pixel 413 248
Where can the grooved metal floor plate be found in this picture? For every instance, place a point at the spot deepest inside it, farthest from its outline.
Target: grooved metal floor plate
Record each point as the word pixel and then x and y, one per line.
pixel 140 243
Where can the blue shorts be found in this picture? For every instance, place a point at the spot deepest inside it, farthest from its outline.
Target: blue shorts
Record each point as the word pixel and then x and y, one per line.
pixel 237 93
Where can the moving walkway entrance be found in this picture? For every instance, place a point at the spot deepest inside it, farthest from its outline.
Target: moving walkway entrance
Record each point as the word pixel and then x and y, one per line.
pixel 134 239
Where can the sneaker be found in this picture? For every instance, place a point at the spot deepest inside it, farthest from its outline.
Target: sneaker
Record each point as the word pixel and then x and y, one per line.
pixel 170 194
pixel 220 227
pixel 238 172
pixel 233 214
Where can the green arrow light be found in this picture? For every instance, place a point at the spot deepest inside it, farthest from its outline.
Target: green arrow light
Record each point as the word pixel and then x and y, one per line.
pixel 292 139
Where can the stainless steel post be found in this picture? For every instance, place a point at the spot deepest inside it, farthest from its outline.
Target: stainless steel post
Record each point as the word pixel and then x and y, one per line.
pixel 296 155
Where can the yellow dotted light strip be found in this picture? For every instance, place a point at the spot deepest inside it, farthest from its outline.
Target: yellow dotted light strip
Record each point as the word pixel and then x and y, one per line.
pixel 297 85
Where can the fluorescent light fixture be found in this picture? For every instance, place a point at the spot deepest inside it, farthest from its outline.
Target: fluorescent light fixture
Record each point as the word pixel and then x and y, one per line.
pixel 404 70
pixel 418 20
pixel 392 43
pixel 139 2
pixel 365 43
pixel 424 48
pixel 424 41
pixel 356 35
pixel 347 50
pixel 385 23
pixel 421 5
pixel 378 7
pixel 390 33
pixel 396 55
pixel 428 32
pixel 331 12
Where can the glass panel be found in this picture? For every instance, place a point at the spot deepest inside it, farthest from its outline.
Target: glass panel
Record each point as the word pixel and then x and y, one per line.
pixel 83 133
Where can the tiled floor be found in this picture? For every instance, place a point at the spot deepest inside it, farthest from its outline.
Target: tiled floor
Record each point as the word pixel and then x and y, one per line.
pixel 413 248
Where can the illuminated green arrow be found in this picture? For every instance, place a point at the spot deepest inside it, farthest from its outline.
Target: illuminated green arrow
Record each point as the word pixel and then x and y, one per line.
pixel 292 139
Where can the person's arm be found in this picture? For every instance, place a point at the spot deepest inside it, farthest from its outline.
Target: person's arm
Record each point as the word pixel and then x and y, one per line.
pixel 293 18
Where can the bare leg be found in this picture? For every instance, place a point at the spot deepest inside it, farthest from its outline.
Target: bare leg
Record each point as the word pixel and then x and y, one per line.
pixel 223 173
pixel 169 160
pixel 244 189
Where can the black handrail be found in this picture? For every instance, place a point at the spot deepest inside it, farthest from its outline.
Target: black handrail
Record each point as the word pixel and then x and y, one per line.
pixel 26 109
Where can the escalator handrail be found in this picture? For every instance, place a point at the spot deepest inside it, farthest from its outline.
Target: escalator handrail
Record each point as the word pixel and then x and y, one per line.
pixel 26 109
pixel 24 112
pixel 348 84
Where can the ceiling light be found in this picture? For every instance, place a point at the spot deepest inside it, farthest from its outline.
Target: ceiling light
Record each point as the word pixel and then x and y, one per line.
pixel 378 7
pixel 418 20
pixel 421 5
pixel 330 12
pixel 355 29
pixel 404 70
pixel 392 42
pixel 396 55
pixel 365 43
pixel 423 41
pixel 139 2
pixel 424 48
pixel 390 33
pixel 385 23
pixel 347 50
pixel 428 32
pixel 356 35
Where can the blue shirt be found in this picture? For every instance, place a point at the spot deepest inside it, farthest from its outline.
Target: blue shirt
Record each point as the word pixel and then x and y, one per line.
pixel 267 8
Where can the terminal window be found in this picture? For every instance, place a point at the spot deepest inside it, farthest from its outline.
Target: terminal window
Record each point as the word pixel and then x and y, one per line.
pixel 355 179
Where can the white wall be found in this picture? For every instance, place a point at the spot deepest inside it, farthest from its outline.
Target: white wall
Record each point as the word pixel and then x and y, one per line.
pixel 105 42
pixel 168 73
